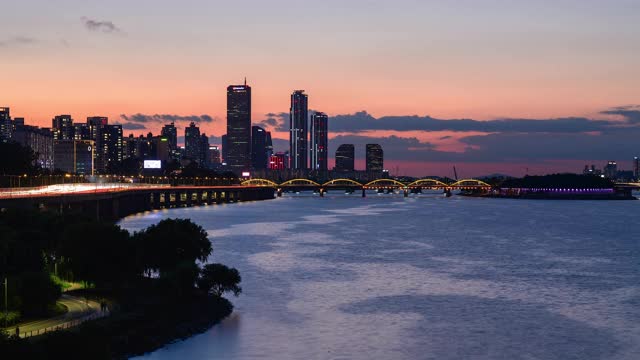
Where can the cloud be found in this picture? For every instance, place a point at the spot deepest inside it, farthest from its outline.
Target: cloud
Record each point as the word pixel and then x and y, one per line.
pixel 276 121
pixel 131 126
pixel 363 121
pixel 18 41
pixel 166 118
pixel 631 113
pixel 100 26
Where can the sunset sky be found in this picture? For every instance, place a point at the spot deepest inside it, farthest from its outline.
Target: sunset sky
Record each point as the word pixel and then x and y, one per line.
pixel 544 85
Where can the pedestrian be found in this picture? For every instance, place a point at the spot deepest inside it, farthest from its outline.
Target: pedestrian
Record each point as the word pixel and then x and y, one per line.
pixel 18 331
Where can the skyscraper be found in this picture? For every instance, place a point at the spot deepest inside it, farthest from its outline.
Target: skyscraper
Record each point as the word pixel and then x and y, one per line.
pixel 345 158
pixel 375 158
pixel 62 127
pixel 258 148
pixel 269 146
pixel 319 141
pixel 5 124
pixel 298 129
pixel 611 170
pixel 110 147
pixel 171 133
pixel 224 145
pixel 192 142
pixel 238 149
pixel 203 154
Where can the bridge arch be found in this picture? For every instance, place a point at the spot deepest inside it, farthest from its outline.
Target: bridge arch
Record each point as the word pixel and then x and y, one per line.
pixel 342 182
pixel 259 182
pixel 385 183
pixel 300 182
pixel 428 183
pixel 472 183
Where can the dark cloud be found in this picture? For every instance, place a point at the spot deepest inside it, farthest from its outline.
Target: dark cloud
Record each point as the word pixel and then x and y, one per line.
pixel 17 41
pixel 166 118
pixel 630 113
pixel 363 121
pixel 100 26
pixel 276 121
pixel 131 126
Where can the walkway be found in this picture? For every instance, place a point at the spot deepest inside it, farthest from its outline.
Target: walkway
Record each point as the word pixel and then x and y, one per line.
pixel 78 312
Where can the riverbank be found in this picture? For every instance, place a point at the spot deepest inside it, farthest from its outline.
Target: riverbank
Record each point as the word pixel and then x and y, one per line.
pixel 557 196
pixel 138 324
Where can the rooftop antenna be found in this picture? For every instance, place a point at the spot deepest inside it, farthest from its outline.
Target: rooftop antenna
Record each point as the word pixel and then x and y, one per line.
pixel 245 81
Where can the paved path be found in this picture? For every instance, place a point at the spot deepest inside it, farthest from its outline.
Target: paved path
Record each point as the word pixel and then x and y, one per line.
pixel 79 310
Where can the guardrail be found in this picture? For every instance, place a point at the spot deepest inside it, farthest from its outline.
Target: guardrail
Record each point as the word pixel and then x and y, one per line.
pixel 63 326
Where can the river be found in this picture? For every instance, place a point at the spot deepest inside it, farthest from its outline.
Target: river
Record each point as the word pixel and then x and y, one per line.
pixel 424 277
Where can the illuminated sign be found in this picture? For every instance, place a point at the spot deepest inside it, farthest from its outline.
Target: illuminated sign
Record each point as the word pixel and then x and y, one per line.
pixel 246 174
pixel 153 164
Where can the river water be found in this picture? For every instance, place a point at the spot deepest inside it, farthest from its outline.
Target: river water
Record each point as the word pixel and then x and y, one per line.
pixel 425 277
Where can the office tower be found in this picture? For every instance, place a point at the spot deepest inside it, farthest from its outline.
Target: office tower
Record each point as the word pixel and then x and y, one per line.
pixel 159 148
pixel 298 129
pixel 636 168
pixel 74 156
pixel 611 170
pixel 62 127
pixel 345 157
pixel 375 158
pixel 192 142
pixel 19 121
pixel 203 158
pixel 170 132
pixel 5 124
pixel 40 140
pixel 258 148
pixel 238 149
pixel 269 145
pixel 223 144
pixel 81 132
pixel 110 149
pixel 279 161
pixel 319 141
pixel 214 156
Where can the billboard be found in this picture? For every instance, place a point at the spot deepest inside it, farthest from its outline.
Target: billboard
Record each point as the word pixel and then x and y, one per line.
pixel 246 174
pixel 153 164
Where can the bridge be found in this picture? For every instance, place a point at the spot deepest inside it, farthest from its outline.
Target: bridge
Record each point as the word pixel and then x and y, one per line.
pixel 379 184
pixel 115 201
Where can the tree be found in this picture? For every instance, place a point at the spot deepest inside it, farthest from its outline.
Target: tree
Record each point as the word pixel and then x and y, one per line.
pixel 171 242
pixel 20 161
pixel 217 279
pixel 98 252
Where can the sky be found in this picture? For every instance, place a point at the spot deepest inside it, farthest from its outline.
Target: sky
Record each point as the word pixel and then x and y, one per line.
pixel 490 86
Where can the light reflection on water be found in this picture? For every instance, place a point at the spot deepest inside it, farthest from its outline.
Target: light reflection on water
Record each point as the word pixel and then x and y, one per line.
pixel 426 277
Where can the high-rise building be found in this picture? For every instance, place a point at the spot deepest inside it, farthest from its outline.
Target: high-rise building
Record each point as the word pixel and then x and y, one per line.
pixel 298 129
pixel 203 155
pixel 171 133
pixel 258 148
pixel 279 161
pixel 269 145
pixel 40 140
pixel 5 124
pixel 238 147
pixel 74 156
pixel 345 157
pixel 214 156
pixel 81 132
pixel 319 141
pixel 62 127
pixel 611 170
pixel 375 158
pixel 110 148
pixel 192 142
pixel 223 144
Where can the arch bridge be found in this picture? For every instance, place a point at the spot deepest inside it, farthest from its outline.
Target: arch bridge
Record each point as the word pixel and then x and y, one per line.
pixel 384 184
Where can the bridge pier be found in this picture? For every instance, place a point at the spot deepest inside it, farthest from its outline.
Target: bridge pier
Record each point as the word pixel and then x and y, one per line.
pixel 321 192
pixel 364 192
pixel 279 192
pixel 406 193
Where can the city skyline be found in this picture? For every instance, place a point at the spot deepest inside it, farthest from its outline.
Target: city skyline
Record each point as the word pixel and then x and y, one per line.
pixel 460 94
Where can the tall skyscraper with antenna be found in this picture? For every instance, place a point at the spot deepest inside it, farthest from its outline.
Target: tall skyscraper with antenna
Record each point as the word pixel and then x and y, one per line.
pixel 299 129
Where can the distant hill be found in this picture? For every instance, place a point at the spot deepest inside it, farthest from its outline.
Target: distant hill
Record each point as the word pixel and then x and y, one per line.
pixel 559 181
